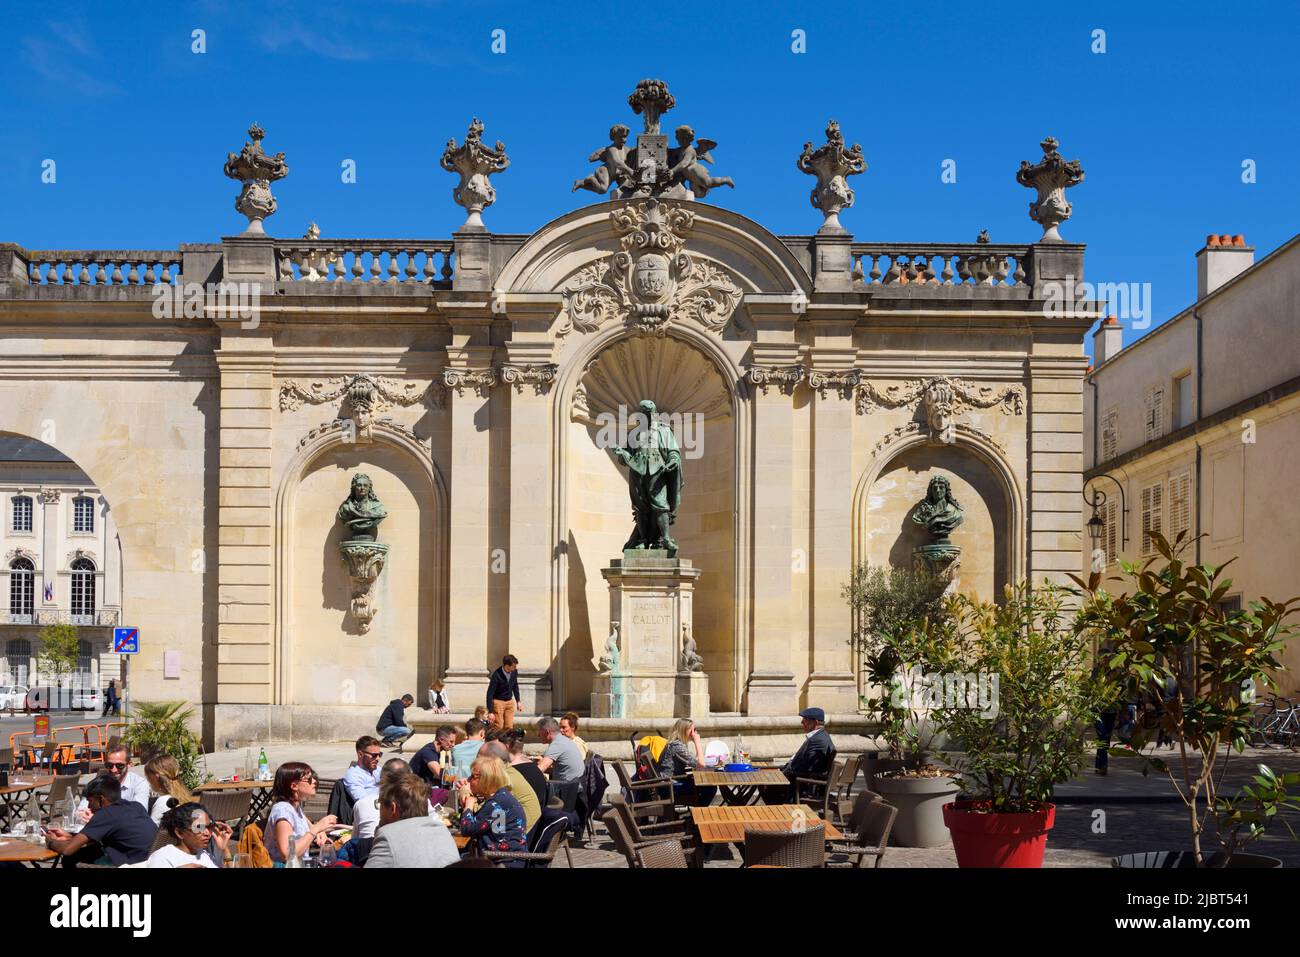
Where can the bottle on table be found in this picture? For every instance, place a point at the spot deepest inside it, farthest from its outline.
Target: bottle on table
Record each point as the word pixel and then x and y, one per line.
pixel 263 767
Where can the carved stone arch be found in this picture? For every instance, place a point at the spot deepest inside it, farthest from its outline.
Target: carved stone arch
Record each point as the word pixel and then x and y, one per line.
pixel 985 451
pixel 316 444
pixel 571 371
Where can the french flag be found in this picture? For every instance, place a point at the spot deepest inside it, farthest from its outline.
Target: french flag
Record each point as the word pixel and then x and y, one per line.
pixel 49 591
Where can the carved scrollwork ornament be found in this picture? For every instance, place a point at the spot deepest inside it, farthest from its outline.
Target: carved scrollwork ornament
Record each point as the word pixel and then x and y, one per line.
pixel 784 378
pixel 541 375
pixel 843 382
pixel 942 399
pixel 477 380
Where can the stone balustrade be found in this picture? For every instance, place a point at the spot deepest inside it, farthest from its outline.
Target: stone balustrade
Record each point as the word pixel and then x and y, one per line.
pixel 924 266
pixel 366 261
pixel 103 267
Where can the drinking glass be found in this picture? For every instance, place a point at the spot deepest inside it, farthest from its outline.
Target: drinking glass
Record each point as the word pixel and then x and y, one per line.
pixel 327 855
pixel 244 860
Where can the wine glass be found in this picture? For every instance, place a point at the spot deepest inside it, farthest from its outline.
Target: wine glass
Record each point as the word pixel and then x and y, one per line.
pixel 327 855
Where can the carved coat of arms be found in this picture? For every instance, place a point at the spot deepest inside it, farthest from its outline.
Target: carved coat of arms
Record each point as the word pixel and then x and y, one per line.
pixel 651 280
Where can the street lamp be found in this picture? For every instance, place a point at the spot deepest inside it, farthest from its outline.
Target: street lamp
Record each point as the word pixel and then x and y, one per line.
pixel 1096 526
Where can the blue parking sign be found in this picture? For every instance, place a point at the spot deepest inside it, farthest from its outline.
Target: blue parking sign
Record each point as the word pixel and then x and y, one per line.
pixel 126 641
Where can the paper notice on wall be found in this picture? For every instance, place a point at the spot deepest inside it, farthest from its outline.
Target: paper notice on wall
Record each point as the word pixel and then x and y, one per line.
pixel 171 664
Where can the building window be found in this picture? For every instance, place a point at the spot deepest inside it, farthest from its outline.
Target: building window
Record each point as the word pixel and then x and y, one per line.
pixel 1153 515
pixel 83 591
pixel 83 514
pixel 22 591
pixel 1110 435
pixel 1110 516
pixel 1180 505
pixel 1182 400
pixel 22 514
pixel 1155 421
pixel 1230 604
pixel 85 654
pixel 18 656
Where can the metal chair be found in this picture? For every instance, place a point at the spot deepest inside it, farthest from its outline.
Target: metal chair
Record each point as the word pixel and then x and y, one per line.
pixel 670 826
pixel 623 840
pixel 59 790
pixel 647 791
pixel 803 849
pixel 872 820
pixel 842 795
pixel 228 806
pixel 661 854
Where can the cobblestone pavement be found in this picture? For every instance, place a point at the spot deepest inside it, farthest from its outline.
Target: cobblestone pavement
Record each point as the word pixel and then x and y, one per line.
pixel 1137 813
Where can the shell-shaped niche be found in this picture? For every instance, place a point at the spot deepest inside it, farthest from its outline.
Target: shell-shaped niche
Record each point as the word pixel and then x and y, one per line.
pixel 676 376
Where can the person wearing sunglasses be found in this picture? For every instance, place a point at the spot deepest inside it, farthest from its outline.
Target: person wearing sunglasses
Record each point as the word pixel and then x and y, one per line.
pixel 117 764
pixel 193 830
pixel 287 827
pixel 362 778
pixel 119 831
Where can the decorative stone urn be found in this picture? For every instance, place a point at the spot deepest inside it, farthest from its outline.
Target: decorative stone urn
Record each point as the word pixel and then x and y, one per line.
pixel 1051 176
pixel 257 171
pixel 475 162
pixel 831 163
pixel 364 557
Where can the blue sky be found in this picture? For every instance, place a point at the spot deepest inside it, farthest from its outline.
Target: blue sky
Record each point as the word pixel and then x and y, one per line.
pixel 139 125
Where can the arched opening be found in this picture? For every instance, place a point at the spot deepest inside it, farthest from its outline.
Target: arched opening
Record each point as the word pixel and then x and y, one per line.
pixel 62 565
pixel 689 390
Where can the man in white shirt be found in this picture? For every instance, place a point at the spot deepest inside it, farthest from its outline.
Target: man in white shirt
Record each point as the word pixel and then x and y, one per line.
pixel 365 813
pixel 362 778
pixel 117 763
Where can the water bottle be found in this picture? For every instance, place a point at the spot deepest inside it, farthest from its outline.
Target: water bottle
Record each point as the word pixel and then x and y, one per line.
pixel 263 768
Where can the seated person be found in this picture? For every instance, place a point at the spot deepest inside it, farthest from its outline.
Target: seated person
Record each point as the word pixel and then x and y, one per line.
pixel 683 754
pixel 362 778
pixel 192 828
pixel 569 728
pixel 288 830
pixel 812 760
pixel 490 812
pixel 392 723
pixel 366 812
pixel 118 832
pixel 514 741
pixel 463 754
pixel 409 836
pixel 433 761
pixel 439 703
pixel 117 763
pixel 561 761
pixel 519 786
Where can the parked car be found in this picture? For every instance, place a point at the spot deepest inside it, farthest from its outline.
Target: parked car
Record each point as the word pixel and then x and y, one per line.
pixel 12 697
pixel 86 699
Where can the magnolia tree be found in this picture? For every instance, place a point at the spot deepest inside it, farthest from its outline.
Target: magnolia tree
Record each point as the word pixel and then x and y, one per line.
pixel 1168 631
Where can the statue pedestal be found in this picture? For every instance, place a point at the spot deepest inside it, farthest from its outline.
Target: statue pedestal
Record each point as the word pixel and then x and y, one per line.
pixel 651 597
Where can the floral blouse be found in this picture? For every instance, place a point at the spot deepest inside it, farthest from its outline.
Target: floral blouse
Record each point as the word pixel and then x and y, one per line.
pixel 498 823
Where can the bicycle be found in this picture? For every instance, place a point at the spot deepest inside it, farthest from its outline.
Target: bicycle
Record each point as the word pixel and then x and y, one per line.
pixel 1276 724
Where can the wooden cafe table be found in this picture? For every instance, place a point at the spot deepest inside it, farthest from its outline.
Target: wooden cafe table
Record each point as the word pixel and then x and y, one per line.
pixel 16 850
pixel 15 797
pixel 740 787
pixel 723 824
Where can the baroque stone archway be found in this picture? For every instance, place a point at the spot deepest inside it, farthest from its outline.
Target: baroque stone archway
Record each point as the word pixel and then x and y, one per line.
pixel 399 455
pixel 687 371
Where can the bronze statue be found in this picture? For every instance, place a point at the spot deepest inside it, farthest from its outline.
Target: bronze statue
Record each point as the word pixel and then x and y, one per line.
pixel 361 512
pixel 939 512
pixel 655 481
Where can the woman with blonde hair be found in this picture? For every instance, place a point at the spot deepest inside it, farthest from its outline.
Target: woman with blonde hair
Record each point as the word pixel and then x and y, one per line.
pixel 439 703
pixel 163 773
pixel 491 812
pixel 683 754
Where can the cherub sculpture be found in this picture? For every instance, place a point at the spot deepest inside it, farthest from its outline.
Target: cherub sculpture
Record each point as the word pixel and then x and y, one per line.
pixel 614 170
pixel 687 163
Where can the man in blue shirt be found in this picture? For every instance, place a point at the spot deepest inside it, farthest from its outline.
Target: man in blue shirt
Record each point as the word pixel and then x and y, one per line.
pixel 362 778
pixel 463 754
pixel 392 723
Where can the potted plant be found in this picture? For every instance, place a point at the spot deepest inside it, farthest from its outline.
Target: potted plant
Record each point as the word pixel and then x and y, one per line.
pixel 163 728
pixel 1020 690
pixel 897 612
pixel 1242 819
pixel 1170 636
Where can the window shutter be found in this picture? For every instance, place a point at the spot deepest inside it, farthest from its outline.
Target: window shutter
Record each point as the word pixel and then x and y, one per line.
pixel 1153 503
pixel 1180 504
pixel 1155 413
pixel 1110 535
pixel 1110 435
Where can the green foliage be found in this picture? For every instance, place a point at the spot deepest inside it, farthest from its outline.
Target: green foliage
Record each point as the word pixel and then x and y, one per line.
pixel 60 649
pixel 891 609
pixel 1242 819
pixel 1169 624
pixel 163 728
pixel 1029 734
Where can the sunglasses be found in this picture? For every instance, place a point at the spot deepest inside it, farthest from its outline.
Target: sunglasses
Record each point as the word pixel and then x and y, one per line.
pixel 372 754
pixel 116 765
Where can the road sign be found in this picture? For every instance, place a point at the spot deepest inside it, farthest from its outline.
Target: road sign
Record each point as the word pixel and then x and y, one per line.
pixel 126 641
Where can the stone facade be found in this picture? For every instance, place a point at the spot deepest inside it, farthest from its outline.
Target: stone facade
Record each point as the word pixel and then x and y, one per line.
pixel 802 364
pixel 1195 428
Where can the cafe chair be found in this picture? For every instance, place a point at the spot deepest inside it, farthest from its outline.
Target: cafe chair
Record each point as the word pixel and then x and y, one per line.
pixel 816 792
pixel 661 854
pixel 625 844
pixel 544 843
pixel 870 824
pixel 801 849
pixel 669 826
pixel 58 792
pixel 229 806
pixel 647 791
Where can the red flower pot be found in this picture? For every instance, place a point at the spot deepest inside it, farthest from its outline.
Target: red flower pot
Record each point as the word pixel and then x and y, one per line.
pixel 983 839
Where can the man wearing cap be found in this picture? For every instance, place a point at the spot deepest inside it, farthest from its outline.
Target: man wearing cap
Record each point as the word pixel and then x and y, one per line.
pixel 812 760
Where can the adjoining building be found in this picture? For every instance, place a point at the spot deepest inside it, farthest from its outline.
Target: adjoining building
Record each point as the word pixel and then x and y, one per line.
pixel 62 565
pixel 1194 428
pixel 341 468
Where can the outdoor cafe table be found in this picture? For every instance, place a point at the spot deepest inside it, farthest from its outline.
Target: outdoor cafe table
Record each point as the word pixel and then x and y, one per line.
pixel 721 824
pixel 740 787
pixel 260 801
pixel 14 797
pixel 16 850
